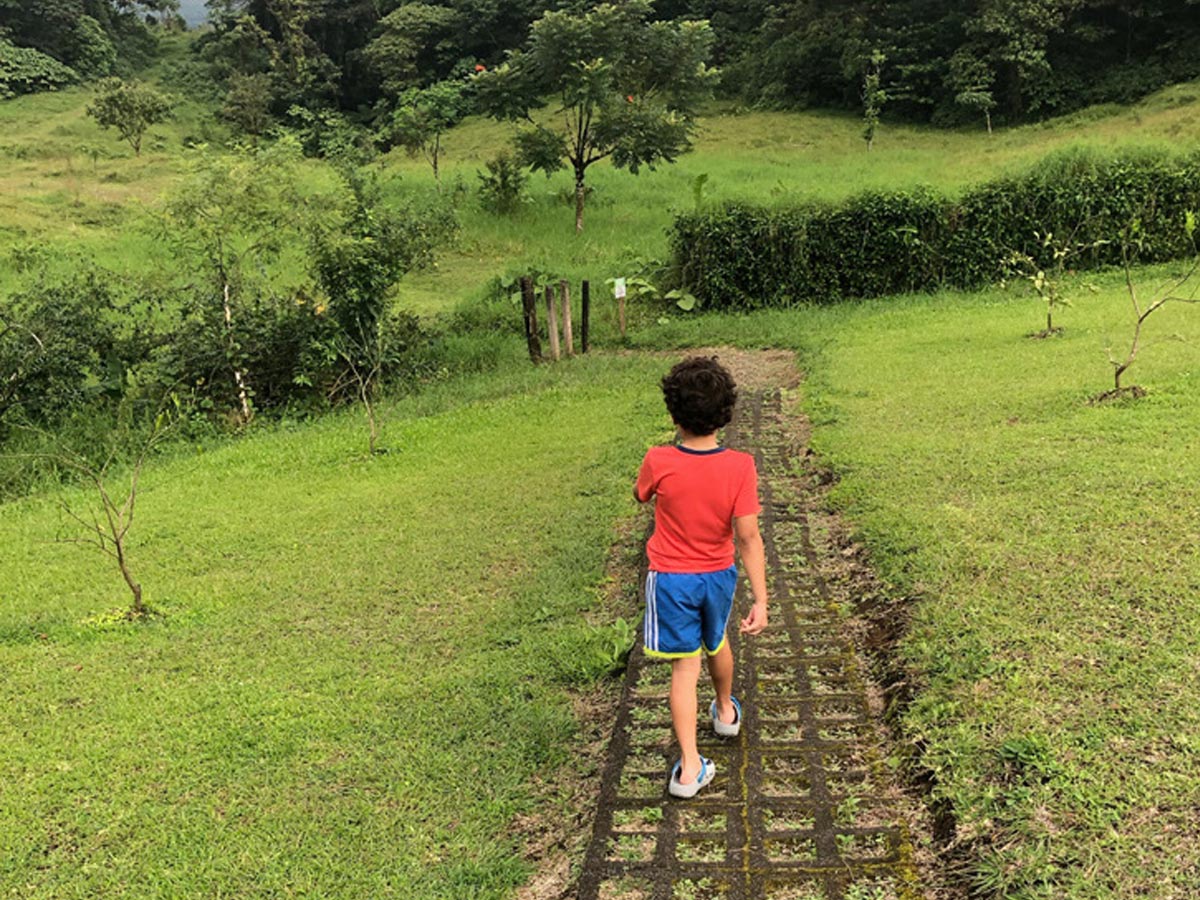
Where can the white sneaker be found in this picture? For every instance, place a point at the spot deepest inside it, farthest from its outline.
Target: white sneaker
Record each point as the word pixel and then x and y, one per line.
pixel 731 729
pixel 708 771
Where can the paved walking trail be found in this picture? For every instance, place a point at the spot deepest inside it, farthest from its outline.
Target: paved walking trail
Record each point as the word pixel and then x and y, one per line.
pixel 800 808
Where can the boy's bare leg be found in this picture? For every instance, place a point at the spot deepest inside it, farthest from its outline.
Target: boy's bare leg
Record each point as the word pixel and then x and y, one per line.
pixel 684 675
pixel 720 669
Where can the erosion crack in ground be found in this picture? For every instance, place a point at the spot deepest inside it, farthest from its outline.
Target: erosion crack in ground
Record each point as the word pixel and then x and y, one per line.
pixel 802 807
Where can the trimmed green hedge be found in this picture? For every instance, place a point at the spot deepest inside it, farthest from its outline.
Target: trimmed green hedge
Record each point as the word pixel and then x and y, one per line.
pixel 747 257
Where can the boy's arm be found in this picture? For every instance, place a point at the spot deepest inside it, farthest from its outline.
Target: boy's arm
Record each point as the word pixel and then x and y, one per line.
pixel 643 488
pixel 750 549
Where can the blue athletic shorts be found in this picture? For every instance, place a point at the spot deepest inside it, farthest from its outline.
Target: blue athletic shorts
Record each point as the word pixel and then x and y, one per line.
pixel 687 612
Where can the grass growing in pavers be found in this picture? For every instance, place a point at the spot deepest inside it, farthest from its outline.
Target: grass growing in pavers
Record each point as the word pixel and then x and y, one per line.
pixel 807 811
pixel 363 663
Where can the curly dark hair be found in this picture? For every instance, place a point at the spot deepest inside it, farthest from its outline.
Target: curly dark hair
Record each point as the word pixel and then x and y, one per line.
pixel 700 394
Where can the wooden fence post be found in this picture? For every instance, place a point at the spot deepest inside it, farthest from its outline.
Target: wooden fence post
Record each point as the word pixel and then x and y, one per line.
pixel 529 303
pixel 584 313
pixel 552 323
pixel 564 294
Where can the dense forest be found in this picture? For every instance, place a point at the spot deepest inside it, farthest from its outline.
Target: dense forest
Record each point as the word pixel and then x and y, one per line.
pixel 938 61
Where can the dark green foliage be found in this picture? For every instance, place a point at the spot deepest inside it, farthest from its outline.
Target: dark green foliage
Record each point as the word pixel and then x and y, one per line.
pixel 743 257
pixel 91 38
pixel 953 62
pixel 58 349
pixel 24 70
pixel 248 103
pixel 328 134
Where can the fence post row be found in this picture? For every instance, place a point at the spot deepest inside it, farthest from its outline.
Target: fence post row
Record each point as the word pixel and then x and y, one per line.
pixel 529 304
pixel 564 296
pixel 552 323
pixel 567 345
pixel 583 326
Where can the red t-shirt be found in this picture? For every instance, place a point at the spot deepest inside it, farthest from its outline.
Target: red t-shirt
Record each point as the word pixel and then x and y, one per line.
pixel 699 492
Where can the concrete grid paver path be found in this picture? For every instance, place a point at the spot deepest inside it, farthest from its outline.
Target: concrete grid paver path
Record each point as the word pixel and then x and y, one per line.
pixel 797 810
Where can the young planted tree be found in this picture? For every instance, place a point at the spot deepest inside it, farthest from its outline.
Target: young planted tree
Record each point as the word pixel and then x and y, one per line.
pixel 627 89
pixel 357 260
pixel 971 80
pixel 423 115
pixel 1175 290
pixel 227 221
pixel 1046 280
pixel 873 96
pixel 130 108
pixel 106 523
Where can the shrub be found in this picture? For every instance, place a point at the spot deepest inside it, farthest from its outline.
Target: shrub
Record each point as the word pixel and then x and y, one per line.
pixel 502 187
pixel 24 70
pixel 58 349
pixel 745 257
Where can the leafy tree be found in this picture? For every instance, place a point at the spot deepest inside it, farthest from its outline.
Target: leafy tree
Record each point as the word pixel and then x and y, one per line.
pixel 874 96
pixel 356 262
pixel 57 348
pixel 94 54
pixel 236 45
pixel 129 107
pixel 248 103
pixel 627 88
pixel 423 115
pixel 226 222
pixel 971 80
pixel 1019 33
pixel 415 42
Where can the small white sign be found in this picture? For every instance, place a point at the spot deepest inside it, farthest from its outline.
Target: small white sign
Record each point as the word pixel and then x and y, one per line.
pixel 618 288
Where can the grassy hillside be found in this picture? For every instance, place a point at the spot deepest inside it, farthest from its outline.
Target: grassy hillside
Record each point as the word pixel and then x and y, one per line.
pixel 52 192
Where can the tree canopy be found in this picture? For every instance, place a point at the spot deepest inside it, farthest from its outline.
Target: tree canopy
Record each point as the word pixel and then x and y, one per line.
pixel 91 38
pixel 946 62
pixel 627 90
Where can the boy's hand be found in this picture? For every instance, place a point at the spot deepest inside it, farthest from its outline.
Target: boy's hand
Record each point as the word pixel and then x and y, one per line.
pixel 757 620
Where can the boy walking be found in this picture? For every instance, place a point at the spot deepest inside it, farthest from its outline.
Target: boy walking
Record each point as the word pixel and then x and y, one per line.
pixel 706 500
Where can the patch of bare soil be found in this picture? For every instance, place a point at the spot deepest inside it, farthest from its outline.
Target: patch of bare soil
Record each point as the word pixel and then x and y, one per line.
pixel 1133 392
pixel 753 370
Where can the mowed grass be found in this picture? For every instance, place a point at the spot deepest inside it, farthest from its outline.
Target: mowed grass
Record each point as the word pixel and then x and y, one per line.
pixel 363 665
pixel 1051 553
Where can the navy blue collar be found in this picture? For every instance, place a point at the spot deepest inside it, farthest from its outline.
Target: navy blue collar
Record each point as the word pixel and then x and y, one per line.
pixel 699 452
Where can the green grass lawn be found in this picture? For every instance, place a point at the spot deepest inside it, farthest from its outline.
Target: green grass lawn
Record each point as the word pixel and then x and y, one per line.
pixel 364 661
pixel 1053 546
